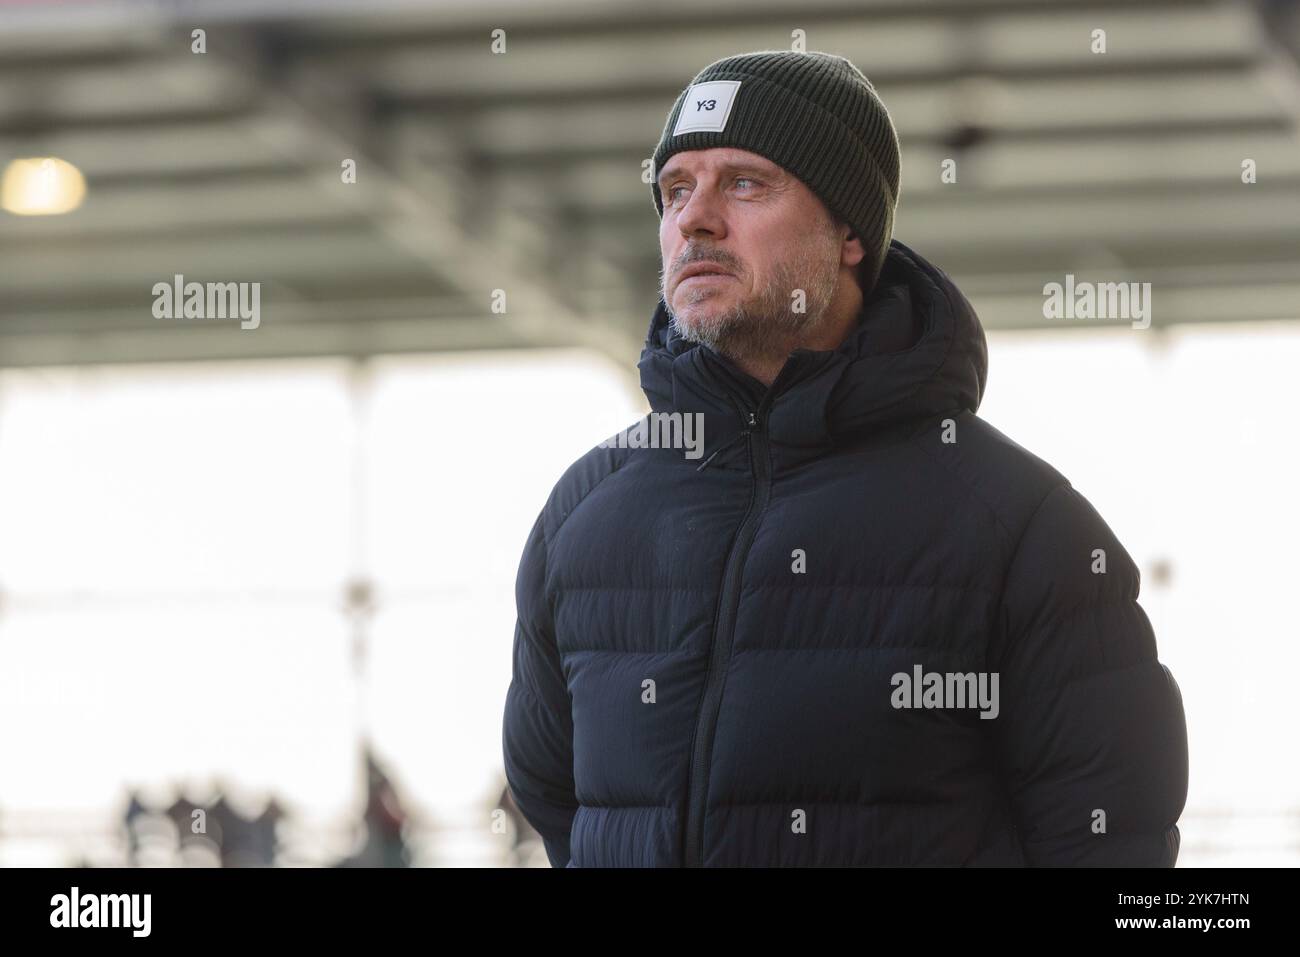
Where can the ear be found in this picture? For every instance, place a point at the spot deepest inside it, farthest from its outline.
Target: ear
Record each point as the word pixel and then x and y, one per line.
pixel 854 251
pixel 853 255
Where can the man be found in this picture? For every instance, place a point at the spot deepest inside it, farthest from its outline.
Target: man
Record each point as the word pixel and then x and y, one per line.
pixel 866 628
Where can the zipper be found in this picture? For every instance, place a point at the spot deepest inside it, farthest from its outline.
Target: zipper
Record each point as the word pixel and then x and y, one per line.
pixel 724 634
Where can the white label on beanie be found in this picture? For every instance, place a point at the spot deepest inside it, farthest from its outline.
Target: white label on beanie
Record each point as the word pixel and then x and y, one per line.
pixel 706 107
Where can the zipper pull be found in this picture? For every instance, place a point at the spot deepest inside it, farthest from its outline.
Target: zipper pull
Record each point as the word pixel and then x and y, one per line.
pixel 753 421
pixel 705 464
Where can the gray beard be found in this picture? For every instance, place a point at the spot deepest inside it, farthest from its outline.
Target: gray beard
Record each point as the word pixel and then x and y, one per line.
pixel 766 327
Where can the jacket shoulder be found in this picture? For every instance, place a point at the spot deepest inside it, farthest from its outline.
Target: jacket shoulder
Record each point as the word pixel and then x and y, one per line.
pixel 1011 481
pixel 578 481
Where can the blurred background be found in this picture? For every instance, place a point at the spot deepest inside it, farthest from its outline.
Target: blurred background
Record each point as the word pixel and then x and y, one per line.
pixel 256 584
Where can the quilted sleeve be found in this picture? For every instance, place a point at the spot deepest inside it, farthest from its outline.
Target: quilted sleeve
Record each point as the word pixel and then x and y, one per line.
pixel 537 730
pixel 1091 735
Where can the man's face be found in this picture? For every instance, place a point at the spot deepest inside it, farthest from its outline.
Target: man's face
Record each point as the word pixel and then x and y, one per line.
pixel 767 236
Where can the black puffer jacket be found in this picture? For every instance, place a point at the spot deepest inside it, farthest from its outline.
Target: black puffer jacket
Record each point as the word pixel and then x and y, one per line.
pixel 710 660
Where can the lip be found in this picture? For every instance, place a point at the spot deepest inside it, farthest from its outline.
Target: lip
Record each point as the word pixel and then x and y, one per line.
pixel 705 277
pixel 705 271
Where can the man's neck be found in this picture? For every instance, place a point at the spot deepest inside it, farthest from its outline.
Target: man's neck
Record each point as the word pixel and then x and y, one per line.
pixel 841 317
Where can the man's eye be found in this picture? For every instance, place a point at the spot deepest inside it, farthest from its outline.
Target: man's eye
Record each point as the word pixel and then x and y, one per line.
pixel 671 193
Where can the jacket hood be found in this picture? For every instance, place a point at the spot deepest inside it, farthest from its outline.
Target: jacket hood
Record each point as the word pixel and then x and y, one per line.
pixel 917 350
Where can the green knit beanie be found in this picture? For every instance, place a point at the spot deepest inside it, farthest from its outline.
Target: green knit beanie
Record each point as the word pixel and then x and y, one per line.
pixel 813 114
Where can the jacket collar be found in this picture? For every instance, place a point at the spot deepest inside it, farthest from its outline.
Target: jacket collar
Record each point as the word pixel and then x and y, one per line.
pixel 918 349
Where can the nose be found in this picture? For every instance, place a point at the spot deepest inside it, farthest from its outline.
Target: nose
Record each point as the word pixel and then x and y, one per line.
pixel 702 214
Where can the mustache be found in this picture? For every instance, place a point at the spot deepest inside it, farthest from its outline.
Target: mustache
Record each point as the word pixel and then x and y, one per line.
pixel 701 255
